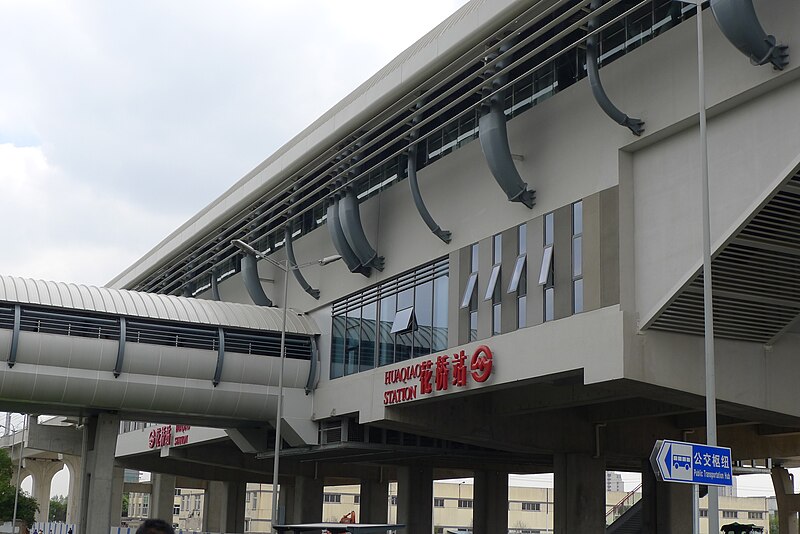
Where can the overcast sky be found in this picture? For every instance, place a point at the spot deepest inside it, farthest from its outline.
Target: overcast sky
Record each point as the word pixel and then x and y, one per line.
pixel 120 120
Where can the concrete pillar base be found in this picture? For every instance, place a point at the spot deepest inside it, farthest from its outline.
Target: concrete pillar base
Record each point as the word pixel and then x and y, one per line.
pixel 374 504
pixel 303 500
pixel 666 507
pixel 223 507
pixel 42 472
pixel 490 505
pixel 102 431
pixel 415 499
pixel 163 496
pixel 788 501
pixel 579 494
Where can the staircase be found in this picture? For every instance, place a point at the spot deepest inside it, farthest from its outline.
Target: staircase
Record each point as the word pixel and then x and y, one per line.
pixel 626 516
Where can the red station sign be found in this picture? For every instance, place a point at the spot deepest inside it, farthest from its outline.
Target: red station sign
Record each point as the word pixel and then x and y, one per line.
pixel 162 436
pixel 437 374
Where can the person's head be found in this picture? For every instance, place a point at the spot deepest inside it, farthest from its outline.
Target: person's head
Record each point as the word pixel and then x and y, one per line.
pixel 155 526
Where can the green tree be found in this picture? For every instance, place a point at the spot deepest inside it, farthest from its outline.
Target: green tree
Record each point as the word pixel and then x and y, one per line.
pixel 58 508
pixel 773 524
pixel 26 506
pixel 125 499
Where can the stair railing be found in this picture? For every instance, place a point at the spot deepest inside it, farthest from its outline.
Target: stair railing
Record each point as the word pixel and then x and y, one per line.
pixel 631 498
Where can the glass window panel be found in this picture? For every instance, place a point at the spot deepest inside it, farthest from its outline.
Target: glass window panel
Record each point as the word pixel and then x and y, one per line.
pixel 577 296
pixel 368 326
pixel 352 341
pixel 496 313
pixel 439 333
pixel 548 304
pixel 473 326
pixel 386 340
pixel 497 249
pixel 519 266
pixel 337 346
pixel 523 238
pixel 577 256
pixel 548 229
pixel 490 289
pixel 405 299
pixel 470 289
pixel 547 262
pixel 423 314
pixel 522 312
pixel 403 345
pixel 403 321
pixel 474 258
pixel 577 218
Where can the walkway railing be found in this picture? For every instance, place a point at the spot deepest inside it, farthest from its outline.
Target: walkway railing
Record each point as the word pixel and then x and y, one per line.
pixel 631 498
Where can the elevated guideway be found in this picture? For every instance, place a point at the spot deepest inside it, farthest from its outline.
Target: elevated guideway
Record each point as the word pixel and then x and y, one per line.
pixel 70 349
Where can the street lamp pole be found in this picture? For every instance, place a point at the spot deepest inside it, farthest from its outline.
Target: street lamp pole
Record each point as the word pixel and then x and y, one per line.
pixel 19 471
pixel 285 266
pixel 708 304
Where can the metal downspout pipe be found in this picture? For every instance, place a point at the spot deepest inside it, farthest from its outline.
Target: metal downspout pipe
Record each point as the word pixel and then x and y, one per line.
pixel 293 264
pixel 738 21
pixel 252 282
pixel 413 183
pixel 493 137
pixel 636 126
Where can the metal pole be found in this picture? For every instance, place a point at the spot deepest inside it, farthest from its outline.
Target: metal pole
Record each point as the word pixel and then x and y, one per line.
pixel 276 462
pixel 708 306
pixel 19 470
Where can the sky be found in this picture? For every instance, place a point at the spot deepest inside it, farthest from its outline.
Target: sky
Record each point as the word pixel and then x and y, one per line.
pixel 121 120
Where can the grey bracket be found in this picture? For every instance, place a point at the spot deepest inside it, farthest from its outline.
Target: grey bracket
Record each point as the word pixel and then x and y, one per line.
pixel 494 141
pixel 312 371
pixel 251 281
pixel 413 183
pixel 214 286
pixel 293 262
pixel 636 126
pixel 120 347
pixel 12 354
pixel 739 23
pixel 220 356
pixel 350 219
pixel 340 242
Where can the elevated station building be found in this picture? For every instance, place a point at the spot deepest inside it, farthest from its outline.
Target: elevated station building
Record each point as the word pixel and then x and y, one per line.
pixel 521 284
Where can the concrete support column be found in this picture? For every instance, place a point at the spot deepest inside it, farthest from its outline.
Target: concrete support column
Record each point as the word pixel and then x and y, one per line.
pixel 666 507
pixel 223 507
pixel 101 444
pixel 490 503
pixel 415 499
pixel 43 472
pixel 302 500
pixel 117 487
pixel 374 502
pixel 788 501
pixel 162 497
pixel 579 494
pixel 73 464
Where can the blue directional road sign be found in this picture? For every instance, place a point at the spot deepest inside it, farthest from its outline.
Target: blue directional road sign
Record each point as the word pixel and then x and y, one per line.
pixel 692 463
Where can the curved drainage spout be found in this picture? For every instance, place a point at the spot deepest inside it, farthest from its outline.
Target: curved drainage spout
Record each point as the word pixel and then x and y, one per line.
pixel 214 286
pixel 251 281
pixel 494 143
pixel 739 23
pixel 636 126
pixel 340 242
pixel 293 262
pixel 350 219
pixel 437 230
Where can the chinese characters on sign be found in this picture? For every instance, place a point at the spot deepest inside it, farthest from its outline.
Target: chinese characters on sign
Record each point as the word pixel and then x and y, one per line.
pixel 437 375
pixel 162 436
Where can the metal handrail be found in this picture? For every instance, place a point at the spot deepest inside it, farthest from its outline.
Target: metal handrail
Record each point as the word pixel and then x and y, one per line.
pixel 628 495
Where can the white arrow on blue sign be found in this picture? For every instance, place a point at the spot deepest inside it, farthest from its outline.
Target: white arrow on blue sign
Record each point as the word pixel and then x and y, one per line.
pixel 692 463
